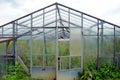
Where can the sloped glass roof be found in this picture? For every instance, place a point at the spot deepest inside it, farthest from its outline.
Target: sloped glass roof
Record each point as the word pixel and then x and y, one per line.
pixel 47 19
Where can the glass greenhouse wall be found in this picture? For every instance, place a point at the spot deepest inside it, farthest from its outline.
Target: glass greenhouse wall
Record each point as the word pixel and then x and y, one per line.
pixel 57 42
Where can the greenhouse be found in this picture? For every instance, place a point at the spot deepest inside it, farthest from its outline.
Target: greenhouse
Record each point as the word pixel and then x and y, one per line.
pixel 56 42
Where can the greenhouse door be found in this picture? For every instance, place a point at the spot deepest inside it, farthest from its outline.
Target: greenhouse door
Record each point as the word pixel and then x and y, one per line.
pixel 70 55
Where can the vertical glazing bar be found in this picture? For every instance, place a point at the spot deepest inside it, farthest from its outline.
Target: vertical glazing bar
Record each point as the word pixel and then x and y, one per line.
pixel 2 31
pixel 114 44
pixel 69 39
pixel 13 34
pixel 14 48
pixel 97 63
pixel 56 34
pixel 102 46
pixel 14 44
pixel 82 42
pixel 31 45
pixel 114 55
pixel 60 64
pixel 43 39
pixel 16 33
pixel 16 29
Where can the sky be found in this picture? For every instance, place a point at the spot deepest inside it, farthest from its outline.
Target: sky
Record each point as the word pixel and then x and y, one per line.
pixel 108 10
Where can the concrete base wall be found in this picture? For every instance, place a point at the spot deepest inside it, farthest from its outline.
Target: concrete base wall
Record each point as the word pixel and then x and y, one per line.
pixel 50 74
pixel 68 74
pixel 40 73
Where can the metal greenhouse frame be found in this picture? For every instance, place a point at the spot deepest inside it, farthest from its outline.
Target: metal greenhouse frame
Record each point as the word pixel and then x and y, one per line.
pixel 57 41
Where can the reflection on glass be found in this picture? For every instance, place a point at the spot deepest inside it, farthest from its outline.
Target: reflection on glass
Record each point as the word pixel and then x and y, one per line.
pixel 75 42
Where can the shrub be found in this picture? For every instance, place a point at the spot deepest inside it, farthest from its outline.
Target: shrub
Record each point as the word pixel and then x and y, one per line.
pixel 107 71
pixel 15 73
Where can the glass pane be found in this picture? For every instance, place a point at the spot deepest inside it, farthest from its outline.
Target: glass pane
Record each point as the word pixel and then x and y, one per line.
pixel 75 42
pixel 23 51
pixel 8 30
pixel 9 62
pixel 2 48
pixel 49 60
pixel 108 46
pixel 75 18
pixel 49 41
pixel 118 45
pixel 25 21
pixel 2 64
pixel 37 60
pixel 117 50
pixel 50 47
pixel 75 62
pixel 90 50
pixel 64 63
pixel 63 48
pixel 37 47
pixel 49 18
pixel 38 19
